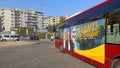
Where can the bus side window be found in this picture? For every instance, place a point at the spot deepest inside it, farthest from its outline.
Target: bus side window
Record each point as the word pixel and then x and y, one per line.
pixel 117 39
pixel 57 37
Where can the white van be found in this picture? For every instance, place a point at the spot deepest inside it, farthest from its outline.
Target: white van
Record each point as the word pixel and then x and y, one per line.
pixel 9 37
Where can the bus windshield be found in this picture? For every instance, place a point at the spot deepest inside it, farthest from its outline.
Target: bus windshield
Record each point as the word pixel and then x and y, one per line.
pixel 59 34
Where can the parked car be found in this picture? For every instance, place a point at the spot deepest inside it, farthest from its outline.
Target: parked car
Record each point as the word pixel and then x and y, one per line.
pixel 0 38
pixel 34 37
pixel 9 37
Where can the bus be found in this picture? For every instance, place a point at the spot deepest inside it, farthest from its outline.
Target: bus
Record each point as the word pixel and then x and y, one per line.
pixel 93 35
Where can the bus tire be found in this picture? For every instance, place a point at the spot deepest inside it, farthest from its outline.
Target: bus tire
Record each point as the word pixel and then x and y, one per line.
pixel 115 63
pixel 61 48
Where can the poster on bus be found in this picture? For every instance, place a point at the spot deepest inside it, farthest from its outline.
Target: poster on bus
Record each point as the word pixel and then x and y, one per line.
pixel 85 36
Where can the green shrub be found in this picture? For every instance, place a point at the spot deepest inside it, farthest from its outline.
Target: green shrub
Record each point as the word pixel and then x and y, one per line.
pixel 42 35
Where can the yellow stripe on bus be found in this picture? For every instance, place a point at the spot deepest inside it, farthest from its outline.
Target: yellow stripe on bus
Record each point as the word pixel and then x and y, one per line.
pixel 97 53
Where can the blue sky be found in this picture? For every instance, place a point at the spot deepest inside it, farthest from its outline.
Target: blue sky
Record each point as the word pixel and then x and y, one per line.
pixel 51 7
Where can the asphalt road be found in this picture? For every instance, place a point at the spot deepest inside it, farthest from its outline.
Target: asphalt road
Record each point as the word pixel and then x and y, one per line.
pixel 43 55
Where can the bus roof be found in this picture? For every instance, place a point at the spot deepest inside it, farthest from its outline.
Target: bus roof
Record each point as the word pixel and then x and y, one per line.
pixel 73 15
pixel 103 7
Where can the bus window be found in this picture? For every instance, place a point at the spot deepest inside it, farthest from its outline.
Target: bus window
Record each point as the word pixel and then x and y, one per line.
pixel 113 28
pixel 59 34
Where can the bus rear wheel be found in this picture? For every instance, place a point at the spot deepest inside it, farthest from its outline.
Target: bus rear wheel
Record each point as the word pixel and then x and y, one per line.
pixel 115 63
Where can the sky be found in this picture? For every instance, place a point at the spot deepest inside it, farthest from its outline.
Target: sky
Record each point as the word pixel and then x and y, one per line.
pixel 51 7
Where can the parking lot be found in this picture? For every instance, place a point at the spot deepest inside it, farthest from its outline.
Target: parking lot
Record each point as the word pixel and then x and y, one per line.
pixel 39 54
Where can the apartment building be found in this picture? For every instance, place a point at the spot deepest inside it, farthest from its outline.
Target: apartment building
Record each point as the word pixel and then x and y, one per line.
pixel 0 24
pixel 12 18
pixel 52 21
pixel 46 22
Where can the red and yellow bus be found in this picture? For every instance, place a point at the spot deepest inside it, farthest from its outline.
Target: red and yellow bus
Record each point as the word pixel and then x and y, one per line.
pixel 93 35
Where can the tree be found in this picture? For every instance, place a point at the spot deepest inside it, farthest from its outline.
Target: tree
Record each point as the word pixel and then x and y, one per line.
pixel 22 31
pixel 31 31
pixel 50 28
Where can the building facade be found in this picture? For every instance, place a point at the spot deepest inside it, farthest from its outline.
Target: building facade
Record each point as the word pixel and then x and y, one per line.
pixel 52 21
pixel 12 18
pixel 0 24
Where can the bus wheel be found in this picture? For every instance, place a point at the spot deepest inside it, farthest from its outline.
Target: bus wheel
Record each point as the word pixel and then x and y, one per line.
pixel 115 63
pixel 61 48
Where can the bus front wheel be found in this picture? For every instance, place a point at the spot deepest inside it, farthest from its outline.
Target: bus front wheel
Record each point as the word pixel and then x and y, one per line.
pixel 115 63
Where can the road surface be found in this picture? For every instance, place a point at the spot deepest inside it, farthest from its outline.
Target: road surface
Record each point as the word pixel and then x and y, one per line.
pixel 41 55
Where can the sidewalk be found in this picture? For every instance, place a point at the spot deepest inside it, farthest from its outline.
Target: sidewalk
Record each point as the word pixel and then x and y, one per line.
pixel 16 43
pixel 22 42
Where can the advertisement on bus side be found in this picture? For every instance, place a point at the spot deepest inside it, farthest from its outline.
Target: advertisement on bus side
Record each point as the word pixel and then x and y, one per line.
pixel 85 37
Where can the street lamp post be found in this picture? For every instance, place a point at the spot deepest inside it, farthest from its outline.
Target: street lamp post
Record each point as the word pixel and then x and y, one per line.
pixel 18 33
pixel 46 36
pixel 36 30
pixel 27 29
